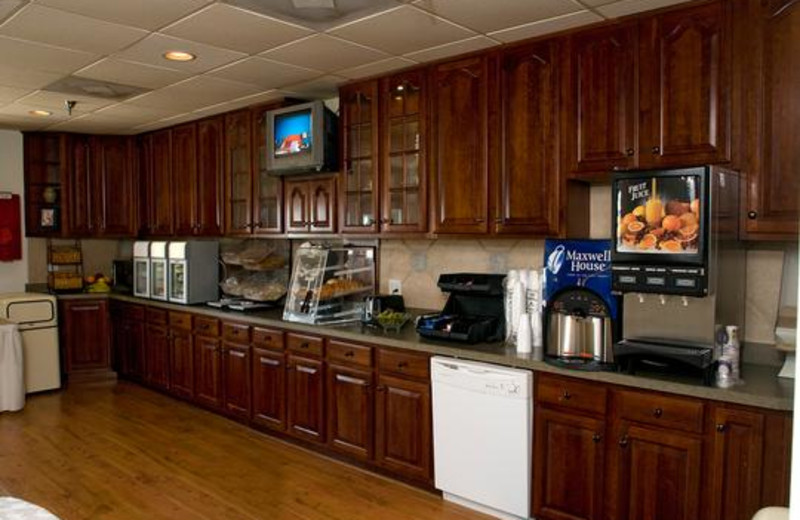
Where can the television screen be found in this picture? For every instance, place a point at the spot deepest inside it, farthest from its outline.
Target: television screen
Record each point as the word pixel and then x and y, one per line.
pixel 293 133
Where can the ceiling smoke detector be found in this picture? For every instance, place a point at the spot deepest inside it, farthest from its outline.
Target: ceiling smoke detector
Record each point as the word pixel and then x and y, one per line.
pixel 317 14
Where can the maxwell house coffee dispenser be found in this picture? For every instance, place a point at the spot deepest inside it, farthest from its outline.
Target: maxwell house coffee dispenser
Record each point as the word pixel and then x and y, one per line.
pixel 581 314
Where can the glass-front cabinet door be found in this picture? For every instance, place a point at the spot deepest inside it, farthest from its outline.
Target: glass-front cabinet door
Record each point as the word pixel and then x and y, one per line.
pixel 238 178
pixel 267 189
pixel 359 198
pixel 403 197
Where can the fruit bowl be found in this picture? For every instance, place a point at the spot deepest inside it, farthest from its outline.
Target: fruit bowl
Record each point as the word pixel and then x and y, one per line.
pixel 391 321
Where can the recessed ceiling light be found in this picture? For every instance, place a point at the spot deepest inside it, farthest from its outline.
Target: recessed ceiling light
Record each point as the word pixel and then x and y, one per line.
pixel 179 56
pixel 40 113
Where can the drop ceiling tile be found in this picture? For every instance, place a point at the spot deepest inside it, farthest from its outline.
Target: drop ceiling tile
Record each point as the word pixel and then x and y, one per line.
pixel 10 122
pixel 229 27
pixel 256 99
pixel 402 30
pixel 266 74
pixel 552 25
pixel 8 94
pixel 146 14
pixel 55 101
pixel 595 3
pixel 195 93
pixel 130 73
pixel 22 113
pixel 36 56
pixel 135 115
pixel 491 16
pixel 373 69
pixel 150 51
pixel 26 78
pixel 94 124
pixel 447 50
pixel 53 27
pixel 8 6
pixel 626 7
pixel 325 53
pixel 319 88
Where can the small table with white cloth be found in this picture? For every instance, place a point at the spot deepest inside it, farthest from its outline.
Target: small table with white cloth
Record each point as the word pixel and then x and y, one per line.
pixel 16 509
pixel 12 374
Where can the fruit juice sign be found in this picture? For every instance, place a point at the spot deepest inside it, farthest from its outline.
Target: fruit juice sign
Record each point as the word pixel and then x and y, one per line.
pixel 658 216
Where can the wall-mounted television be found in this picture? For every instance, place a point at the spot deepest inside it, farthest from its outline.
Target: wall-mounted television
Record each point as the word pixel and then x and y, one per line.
pixel 301 139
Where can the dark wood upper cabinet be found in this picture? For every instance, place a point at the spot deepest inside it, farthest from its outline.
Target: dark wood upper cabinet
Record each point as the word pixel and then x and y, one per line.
pixel 267 188
pixel 47 182
pixel 238 173
pixel 184 178
pixel 459 141
pixel 684 80
pixel 568 465
pixel 79 217
pixel 115 181
pixel 310 205
pixel 766 85
pixel 156 167
pixel 527 185
pixel 403 168
pixel 210 171
pixel 599 101
pixel 360 192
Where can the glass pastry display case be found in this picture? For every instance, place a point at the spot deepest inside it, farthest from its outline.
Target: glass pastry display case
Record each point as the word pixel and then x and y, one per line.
pixel 329 284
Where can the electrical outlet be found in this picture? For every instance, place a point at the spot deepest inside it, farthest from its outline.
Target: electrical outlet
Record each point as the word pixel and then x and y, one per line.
pixel 395 287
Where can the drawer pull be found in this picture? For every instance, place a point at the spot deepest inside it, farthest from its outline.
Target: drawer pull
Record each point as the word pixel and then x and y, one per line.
pixel 380 388
pixel 721 428
pixel 658 412
pixel 270 362
pixel 565 396
pixel 401 365
pixel 85 308
pixel 349 353
pixel 304 344
pixel 597 437
pixel 623 442
pixel 351 380
pixel 204 326
pixel 306 370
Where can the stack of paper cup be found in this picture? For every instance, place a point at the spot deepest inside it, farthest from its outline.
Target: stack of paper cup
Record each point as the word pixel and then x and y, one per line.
pixel 524 334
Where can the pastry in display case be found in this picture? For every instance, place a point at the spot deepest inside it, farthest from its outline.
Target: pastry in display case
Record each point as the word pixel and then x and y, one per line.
pixel 329 284
pixel 256 274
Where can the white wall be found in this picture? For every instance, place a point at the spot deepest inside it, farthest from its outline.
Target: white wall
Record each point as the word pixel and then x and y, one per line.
pixel 13 275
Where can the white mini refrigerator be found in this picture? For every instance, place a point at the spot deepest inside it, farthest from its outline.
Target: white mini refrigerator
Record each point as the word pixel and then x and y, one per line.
pixel 37 319
pixel 482 435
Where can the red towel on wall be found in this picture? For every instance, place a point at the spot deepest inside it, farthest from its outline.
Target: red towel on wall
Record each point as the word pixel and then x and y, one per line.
pixel 10 228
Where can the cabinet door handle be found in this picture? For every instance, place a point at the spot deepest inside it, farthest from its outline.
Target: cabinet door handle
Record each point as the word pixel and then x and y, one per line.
pixel 565 396
pixel 236 353
pixel 306 370
pixel 479 220
pixel 269 362
pixel 351 380
pixel 656 150
pixel 597 437
pixel 629 152
pixel 658 412
pixel 85 308
pixel 752 215
pixel 721 428
pixel 623 442
pixel 380 388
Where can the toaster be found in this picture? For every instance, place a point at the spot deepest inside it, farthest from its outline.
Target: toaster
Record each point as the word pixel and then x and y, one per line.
pixel 374 305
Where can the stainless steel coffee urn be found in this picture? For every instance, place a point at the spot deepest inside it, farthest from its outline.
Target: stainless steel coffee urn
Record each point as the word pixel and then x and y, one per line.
pixel 579 329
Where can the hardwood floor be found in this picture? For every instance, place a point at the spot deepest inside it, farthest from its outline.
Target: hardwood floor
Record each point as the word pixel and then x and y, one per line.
pixel 119 451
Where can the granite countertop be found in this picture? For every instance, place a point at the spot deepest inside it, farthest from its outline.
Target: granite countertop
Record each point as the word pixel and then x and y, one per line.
pixel 761 387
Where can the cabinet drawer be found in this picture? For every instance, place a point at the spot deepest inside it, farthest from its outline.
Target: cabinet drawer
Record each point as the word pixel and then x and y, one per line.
pixel 302 344
pixel 180 320
pixel 349 353
pixel 236 333
pixel 571 393
pixel 156 316
pixel 206 326
pixel 134 312
pixel 268 338
pixel 665 411
pixel 404 363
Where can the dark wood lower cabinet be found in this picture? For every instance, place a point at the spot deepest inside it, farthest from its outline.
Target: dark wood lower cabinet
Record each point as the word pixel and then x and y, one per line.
pixel 157 356
pixel 351 404
pixel 654 474
pixel 208 372
pixel 269 389
pixel 568 466
pixel 306 399
pixel 85 335
pixel 236 378
pixel 181 364
pixel 403 427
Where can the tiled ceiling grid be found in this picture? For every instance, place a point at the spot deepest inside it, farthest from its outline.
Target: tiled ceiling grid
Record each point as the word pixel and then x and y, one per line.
pixel 242 57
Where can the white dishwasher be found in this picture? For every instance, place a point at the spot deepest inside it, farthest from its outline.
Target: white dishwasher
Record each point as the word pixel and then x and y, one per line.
pixel 482 435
